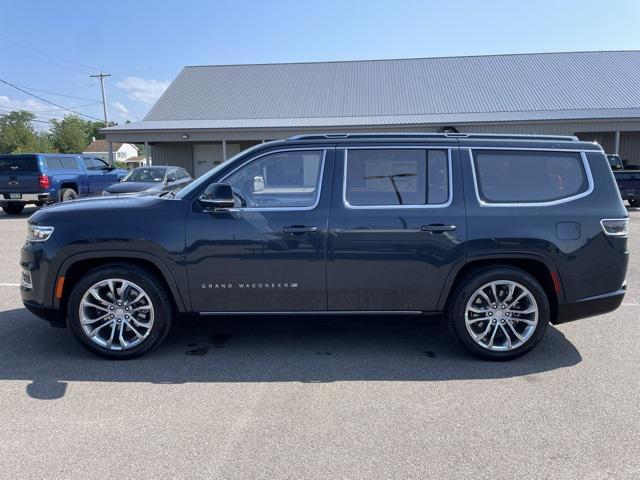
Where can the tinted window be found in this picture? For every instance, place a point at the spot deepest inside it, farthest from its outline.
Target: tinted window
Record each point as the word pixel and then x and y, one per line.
pixel 615 162
pixel 284 179
pixel 519 176
pixel 88 163
pixel 69 163
pixel 100 164
pixel 53 163
pixel 388 177
pixel 18 163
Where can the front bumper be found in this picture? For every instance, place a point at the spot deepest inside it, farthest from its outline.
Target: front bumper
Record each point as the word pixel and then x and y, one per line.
pixel 53 316
pixel 589 307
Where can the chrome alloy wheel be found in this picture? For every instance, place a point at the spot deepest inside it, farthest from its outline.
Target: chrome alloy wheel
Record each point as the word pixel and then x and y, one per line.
pixel 116 314
pixel 501 315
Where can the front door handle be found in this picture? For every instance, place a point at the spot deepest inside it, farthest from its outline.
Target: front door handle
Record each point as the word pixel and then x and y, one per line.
pixel 298 229
pixel 437 228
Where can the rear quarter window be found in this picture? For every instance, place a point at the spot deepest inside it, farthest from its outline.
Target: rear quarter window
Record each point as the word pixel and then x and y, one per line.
pixel 53 163
pixel 505 176
pixel 18 163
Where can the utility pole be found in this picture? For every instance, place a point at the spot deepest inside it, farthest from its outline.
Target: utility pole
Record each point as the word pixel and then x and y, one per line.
pixel 101 76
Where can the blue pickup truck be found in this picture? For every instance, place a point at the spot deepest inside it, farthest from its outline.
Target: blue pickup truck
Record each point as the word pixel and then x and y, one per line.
pixel 41 178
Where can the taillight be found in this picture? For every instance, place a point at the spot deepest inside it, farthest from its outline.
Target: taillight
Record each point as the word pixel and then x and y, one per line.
pixel 615 227
pixel 44 181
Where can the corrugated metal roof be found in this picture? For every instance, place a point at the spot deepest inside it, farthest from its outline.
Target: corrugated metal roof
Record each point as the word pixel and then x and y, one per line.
pixel 522 87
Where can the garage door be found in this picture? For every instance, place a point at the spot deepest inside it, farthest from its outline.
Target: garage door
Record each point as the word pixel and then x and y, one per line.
pixel 205 157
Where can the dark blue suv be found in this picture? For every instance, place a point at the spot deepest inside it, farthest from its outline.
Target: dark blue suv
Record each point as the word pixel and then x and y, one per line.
pixel 499 234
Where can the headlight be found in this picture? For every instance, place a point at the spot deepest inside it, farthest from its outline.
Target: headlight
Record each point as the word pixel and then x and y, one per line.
pixel 38 233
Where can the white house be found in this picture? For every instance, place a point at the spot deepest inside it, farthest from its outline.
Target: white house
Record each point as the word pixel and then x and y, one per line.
pixel 121 151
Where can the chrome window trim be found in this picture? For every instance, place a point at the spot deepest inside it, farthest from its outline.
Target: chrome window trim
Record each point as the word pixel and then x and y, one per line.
pixel 281 209
pixel 550 203
pixel 394 207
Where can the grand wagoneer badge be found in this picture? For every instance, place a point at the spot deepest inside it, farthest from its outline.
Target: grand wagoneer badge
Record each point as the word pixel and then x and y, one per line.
pixel 249 286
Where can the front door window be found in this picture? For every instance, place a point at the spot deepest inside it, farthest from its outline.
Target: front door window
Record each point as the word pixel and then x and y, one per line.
pixel 281 180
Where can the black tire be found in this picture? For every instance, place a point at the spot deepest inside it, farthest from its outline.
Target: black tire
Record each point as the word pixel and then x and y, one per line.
pixel 471 283
pixel 67 194
pixel 13 208
pixel 160 299
pixel 634 202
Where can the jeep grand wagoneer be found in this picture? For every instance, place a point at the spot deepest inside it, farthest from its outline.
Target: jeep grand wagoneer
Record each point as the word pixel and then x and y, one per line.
pixel 501 234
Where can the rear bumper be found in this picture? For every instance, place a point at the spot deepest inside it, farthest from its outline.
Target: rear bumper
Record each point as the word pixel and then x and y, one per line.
pixel 26 198
pixel 589 307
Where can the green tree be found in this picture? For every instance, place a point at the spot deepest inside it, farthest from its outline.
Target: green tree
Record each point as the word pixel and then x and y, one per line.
pixel 93 130
pixel 17 134
pixel 43 142
pixel 69 135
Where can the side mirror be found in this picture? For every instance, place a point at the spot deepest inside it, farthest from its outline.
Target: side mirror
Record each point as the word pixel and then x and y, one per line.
pixel 217 195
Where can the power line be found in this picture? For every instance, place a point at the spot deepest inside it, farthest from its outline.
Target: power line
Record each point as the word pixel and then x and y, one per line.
pixel 59 94
pixel 48 101
pixel 48 54
pixel 33 120
pixel 78 98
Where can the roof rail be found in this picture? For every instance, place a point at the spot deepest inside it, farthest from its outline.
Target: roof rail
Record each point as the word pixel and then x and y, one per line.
pixel 496 136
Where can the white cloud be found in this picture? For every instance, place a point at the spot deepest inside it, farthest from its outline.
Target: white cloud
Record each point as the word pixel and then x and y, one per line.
pixel 120 106
pixel 122 111
pixel 31 105
pixel 43 111
pixel 141 89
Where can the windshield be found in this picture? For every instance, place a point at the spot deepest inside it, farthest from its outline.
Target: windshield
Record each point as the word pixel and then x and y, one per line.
pixel 150 175
pixel 204 179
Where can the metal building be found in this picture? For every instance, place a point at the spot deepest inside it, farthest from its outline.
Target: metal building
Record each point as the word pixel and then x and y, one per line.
pixel 210 113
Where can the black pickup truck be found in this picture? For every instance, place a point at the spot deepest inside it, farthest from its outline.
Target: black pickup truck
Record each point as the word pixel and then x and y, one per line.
pixel 628 180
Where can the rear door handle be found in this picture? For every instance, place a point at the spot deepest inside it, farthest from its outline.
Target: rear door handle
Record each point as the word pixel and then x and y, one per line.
pixel 297 229
pixel 437 228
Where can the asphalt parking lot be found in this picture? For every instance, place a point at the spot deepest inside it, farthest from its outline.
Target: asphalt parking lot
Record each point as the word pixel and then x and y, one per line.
pixel 390 398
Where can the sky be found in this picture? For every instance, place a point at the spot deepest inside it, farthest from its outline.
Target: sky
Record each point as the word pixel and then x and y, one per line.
pixel 50 48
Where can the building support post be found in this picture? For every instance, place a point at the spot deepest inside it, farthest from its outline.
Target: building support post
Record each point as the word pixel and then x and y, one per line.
pixel 147 153
pixel 616 143
pixel 224 150
pixel 110 150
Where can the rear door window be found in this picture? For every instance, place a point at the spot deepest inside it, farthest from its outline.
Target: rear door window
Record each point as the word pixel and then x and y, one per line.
pixel 18 163
pixel 507 176
pixel 396 177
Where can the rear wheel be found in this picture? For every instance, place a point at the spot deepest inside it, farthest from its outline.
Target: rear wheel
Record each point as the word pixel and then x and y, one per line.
pixel 634 202
pixel 499 313
pixel 67 194
pixel 119 311
pixel 13 208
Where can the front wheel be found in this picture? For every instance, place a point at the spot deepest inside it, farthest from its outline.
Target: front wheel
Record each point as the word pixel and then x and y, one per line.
pixel 499 313
pixel 119 311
